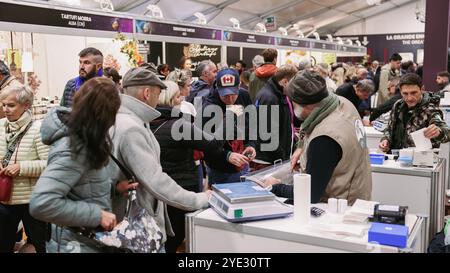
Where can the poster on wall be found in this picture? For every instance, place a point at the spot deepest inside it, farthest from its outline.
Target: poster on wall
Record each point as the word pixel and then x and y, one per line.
pixel 196 52
pixel 113 57
pixel 293 57
pixel 63 18
pixel 323 57
pixel 14 59
pixel 380 47
pixel 329 58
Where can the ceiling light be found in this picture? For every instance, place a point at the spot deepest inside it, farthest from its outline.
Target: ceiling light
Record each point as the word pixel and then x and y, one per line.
pixel 201 18
pixel 155 11
pixel 261 28
pixel 235 22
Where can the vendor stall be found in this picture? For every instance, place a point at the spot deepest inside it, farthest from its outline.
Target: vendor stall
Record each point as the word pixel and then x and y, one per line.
pixel 206 231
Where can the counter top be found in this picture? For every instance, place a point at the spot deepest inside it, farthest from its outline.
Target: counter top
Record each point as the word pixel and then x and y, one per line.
pixel 392 166
pixel 287 229
pixel 370 131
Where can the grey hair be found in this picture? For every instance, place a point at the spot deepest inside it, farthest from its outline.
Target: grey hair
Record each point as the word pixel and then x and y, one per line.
pixel 203 65
pixel 366 86
pixel 24 94
pixel 322 68
pixel 304 64
pixel 258 60
pixel 180 76
pixel 133 90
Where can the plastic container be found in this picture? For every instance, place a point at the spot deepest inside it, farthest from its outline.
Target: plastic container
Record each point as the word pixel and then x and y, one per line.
pixel 406 157
pixel 377 159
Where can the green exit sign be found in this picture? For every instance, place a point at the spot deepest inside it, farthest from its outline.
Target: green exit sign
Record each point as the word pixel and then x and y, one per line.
pixel 270 23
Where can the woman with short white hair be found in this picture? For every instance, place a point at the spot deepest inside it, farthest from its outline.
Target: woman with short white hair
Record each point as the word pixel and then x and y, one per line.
pixel 23 157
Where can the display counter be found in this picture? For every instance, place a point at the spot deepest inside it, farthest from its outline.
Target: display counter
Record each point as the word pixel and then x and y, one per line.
pixel 421 189
pixel 206 231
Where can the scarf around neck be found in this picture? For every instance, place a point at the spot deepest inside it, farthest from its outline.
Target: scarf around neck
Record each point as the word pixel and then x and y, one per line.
pixel 80 81
pixel 14 128
pixel 329 104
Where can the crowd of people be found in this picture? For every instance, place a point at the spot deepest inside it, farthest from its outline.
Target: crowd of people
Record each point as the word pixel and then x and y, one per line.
pixel 178 136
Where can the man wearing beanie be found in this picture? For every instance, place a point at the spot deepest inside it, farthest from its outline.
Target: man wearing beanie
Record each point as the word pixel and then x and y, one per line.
pixel 332 146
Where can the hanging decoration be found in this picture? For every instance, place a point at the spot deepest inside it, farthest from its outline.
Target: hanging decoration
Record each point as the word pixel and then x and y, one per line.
pixel 130 49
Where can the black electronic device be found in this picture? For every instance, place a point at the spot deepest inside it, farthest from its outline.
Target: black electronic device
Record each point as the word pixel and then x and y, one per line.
pixel 316 212
pixel 389 214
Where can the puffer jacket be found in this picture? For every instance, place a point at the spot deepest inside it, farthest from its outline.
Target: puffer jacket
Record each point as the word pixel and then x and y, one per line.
pixel 69 192
pixel 426 112
pixel 31 156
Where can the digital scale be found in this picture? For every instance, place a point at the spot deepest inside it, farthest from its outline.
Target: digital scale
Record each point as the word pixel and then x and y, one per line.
pixel 249 211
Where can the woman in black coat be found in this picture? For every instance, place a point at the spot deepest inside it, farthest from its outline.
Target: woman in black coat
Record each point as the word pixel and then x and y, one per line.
pixel 177 158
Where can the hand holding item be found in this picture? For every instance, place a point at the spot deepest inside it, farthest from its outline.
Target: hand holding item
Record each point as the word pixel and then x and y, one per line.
pixel 250 153
pixel 108 221
pixel 432 131
pixel 384 145
pixel 125 186
pixel 11 170
pixel 294 159
pixel 237 160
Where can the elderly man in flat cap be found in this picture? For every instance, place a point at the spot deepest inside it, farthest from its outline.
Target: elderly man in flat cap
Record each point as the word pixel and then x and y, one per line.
pixel 332 146
pixel 136 148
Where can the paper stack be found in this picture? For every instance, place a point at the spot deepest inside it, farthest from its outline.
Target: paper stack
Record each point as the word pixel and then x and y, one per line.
pixel 359 212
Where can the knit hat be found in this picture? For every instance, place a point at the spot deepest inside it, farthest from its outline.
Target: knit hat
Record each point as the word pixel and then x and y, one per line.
pixel 307 87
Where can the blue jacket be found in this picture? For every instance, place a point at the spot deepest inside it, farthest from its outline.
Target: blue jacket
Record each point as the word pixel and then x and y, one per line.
pixel 68 193
pixel 199 89
pixel 69 92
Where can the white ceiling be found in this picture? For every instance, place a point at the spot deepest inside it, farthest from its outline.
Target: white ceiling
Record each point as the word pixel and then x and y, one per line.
pixel 327 16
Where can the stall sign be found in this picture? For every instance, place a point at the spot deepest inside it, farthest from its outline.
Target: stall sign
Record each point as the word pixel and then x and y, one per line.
pixel 62 18
pixel 165 29
pixel 232 36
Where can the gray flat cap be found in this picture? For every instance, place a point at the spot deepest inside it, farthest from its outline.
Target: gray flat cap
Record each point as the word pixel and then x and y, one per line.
pixel 140 76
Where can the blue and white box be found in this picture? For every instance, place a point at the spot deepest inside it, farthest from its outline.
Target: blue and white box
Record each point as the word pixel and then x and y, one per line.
pixel 388 234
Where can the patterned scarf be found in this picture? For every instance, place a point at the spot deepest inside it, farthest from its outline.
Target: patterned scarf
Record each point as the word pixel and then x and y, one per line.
pixel 14 128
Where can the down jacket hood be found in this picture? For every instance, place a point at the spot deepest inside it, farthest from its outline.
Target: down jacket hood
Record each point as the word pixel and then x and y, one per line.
pixel 53 126
pixel 266 70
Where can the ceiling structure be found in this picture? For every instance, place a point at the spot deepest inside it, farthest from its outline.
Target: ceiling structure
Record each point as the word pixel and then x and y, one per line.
pixel 323 16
